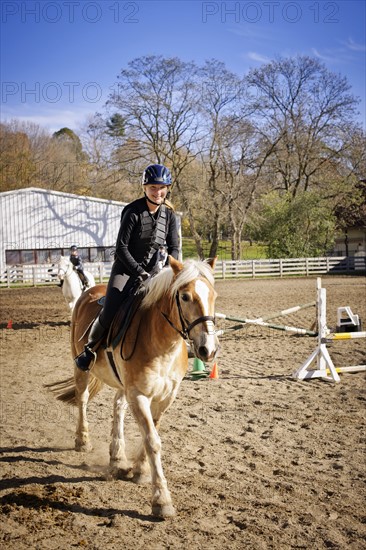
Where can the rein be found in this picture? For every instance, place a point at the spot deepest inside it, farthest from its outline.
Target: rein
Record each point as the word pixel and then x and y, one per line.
pixel 186 328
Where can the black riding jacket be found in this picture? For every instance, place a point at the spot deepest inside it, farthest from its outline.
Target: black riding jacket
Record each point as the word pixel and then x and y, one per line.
pixel 76 262
pixel 140 235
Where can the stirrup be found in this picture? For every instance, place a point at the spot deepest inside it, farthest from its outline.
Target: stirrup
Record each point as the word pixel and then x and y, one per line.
pixel 84 359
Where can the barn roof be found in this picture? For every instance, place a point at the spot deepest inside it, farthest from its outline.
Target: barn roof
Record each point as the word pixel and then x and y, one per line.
pixel 39 219
pixel 59 194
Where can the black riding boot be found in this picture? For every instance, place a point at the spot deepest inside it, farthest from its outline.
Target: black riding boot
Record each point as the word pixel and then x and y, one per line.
pixel 83 360
pixel 84 281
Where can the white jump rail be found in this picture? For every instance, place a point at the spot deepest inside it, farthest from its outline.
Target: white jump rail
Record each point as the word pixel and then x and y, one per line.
pixel 325 366
pixel 262 321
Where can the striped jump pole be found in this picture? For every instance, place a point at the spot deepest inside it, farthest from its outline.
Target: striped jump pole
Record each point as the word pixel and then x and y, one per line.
pixel 325 366
pixel 285 328
pixel 345 336
pixel 262 321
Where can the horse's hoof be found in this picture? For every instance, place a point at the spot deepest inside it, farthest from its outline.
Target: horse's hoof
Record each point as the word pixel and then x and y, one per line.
pixel 118 472
pixel 83 447
pixel 141 478
pixel 163 510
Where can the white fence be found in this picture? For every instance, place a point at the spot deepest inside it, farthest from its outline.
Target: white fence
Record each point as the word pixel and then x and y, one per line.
pixel 291 266
pixel 46 274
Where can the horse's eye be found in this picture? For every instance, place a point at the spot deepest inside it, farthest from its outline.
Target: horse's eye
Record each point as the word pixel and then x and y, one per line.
pixel 185 297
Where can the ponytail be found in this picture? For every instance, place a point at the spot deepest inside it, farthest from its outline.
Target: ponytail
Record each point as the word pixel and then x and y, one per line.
pixel 169 205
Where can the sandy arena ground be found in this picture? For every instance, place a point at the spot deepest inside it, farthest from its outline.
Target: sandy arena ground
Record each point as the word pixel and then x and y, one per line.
pixel 254 460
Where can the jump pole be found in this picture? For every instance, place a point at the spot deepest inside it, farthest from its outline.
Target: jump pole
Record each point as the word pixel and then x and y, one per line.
pixel 325 366
pixel 261 321
pixel 285 328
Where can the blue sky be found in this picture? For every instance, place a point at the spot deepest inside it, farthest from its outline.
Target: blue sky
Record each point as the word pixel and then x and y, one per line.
pixel 60 58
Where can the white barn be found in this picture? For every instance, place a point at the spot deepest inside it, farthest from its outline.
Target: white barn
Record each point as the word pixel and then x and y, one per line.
pixel 38 225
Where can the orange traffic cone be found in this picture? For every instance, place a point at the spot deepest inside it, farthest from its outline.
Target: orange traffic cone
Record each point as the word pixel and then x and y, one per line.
pixel 10 324
pixel 214 374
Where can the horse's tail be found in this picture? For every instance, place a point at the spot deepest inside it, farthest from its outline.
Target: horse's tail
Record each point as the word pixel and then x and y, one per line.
pixel 64 390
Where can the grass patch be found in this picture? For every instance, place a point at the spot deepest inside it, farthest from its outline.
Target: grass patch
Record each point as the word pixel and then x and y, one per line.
pixel 248 252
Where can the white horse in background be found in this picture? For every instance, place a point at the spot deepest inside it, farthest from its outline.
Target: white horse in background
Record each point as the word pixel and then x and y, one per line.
pixel 72 287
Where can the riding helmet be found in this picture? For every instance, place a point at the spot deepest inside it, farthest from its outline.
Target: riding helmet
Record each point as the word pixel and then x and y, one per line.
pixel 156 174
pixel 73 247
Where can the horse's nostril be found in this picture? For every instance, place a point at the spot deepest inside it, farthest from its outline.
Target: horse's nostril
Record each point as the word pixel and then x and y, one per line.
pixel 203 351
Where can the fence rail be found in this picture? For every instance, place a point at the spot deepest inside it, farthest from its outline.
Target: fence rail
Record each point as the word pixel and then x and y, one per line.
pixel 291 266
pixel 46 274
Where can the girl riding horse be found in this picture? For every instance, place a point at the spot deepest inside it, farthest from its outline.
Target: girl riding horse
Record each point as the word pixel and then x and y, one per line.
pixel 146 224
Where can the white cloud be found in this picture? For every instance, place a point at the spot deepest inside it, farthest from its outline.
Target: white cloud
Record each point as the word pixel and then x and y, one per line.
pixel 254 56
pixel 49 118
pixel 254 33
pixel 352 45
pixel 327 58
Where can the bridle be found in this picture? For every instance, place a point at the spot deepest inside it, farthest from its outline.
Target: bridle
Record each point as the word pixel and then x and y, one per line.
pixel 186 327
pixel 67 271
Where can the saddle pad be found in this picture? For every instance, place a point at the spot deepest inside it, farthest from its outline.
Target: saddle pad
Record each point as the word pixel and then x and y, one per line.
pixel 101 301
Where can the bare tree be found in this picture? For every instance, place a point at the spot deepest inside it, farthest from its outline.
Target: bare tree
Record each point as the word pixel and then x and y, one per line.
pixel 157 99
pixel 221 112
pixel 241 177
pixel 304 110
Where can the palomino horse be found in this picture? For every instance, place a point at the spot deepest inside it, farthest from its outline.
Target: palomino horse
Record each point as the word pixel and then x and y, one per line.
pixel 72 287
pixel 179 303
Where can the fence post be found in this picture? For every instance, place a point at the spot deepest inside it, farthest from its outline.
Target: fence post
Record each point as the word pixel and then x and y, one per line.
pixel 253 269
pixel 281 268
pixel 34 275
pixel 223 267
pixel 8 276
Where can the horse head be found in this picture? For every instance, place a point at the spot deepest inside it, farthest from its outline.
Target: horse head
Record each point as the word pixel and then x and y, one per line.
pixel 190 307
pixel 62 268
pixel 195 296
pixel 64 265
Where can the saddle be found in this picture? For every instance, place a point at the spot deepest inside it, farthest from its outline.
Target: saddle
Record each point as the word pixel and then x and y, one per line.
pixel 123 329
pixel 126 320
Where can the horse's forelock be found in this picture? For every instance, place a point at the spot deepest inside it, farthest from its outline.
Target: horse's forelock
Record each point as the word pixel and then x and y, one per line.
pixel 192 269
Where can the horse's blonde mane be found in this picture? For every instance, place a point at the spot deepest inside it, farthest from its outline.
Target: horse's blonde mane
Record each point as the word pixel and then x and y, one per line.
pixel 163 282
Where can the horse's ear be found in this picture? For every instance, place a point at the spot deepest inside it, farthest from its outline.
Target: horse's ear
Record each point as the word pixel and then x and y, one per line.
pixel 175 265
pixel 211 262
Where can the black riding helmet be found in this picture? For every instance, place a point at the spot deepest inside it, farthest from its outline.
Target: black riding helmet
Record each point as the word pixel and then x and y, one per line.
pixel 73 247
pixel 156 174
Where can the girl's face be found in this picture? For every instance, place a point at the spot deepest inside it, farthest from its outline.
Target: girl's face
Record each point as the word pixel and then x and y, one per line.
pixel 156 193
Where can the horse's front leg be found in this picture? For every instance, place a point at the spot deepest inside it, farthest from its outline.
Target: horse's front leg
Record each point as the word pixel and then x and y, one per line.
pixel 117 451
pixel 82 440
pixel 161 500
pixel 141 467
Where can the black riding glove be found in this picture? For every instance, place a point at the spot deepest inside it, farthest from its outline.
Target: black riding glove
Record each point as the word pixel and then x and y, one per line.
pixel 145 276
